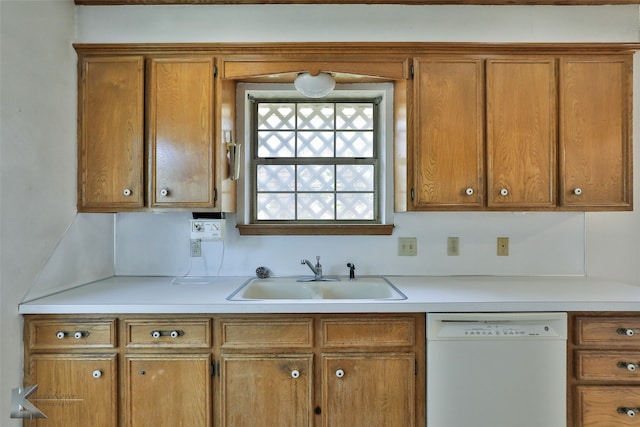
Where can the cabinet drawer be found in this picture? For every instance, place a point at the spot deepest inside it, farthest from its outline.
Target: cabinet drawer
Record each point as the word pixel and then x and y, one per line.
pixel 387 332
pixel 608 365
pixel 150 333
pixel 608 406
pixel 608 331
pixel 61 334
pixel 266 333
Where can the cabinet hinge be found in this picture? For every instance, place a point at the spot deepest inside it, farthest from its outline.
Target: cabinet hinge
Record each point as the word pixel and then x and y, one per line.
pixel 416 367
pixel 412 194
pixel 215 71
pixel 411 71
pixel 215 194
pixel 212 371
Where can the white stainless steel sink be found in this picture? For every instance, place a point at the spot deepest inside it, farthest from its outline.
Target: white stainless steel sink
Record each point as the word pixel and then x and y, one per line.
pixel 289 288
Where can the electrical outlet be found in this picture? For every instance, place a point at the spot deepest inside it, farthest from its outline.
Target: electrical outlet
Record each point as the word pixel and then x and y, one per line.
pixel 503 246
pixel 196 248
pixel 453 246
pixel 207 230
pixel 407 246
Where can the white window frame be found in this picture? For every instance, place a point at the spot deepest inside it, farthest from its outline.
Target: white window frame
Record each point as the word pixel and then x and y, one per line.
pixel 262 91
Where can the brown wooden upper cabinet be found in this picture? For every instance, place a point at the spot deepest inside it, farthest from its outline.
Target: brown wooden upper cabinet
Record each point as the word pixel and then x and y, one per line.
pixel 181 130
pixel 595 132
pixel 147 134
pixel 521 133
pixel 111 133
pixel 448 164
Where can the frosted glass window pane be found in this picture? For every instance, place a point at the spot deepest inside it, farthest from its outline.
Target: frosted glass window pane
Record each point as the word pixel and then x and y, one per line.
pixel 276 116
pixel 354 144
pixel 354 116
pixel 354 178
pixel 315 116
pixel 315 178
pixel 319 206
pixel 276 144
pixel 272 206
pixel 354 206
pixel 315 144
pixel 276 177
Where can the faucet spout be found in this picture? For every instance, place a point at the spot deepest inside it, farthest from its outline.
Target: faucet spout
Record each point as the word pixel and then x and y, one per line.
pixel 317 269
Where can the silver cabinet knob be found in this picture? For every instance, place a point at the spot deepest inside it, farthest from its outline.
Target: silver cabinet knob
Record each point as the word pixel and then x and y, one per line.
pixel 469 191
pixel 97 373
pixel 127 192
pixel 504 192
pixel 577 191
pixel 339 373
pixel 295 373
pixel 156 334
pixel 174 334
pixel 164 192
pixel 77 335
pixel 60 335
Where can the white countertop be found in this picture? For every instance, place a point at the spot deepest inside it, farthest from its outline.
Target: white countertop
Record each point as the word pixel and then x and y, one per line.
pixel 132 294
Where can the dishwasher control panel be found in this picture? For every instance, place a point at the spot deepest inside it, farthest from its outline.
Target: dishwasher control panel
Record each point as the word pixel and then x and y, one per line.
pixel 454 329
pixel 500 326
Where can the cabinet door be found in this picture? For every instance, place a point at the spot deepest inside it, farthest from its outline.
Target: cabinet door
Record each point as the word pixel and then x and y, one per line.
pixel 521 133
pixel 168 390
pixel 448 157
pixel 181 132
pixel 74 390
pixel 368 389
pixel 266 390
pixel 595 132
pixel 110 133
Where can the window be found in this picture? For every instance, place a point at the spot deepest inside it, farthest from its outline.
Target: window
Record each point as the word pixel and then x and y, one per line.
pixel 314 161
pixel 316 166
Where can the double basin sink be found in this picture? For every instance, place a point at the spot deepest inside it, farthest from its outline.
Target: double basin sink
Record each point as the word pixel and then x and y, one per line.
pixel 290 288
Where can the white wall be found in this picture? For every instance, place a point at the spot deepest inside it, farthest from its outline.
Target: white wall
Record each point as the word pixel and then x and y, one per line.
pixel 38 159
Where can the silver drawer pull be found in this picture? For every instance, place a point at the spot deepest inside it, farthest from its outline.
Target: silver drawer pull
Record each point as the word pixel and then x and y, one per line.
pixel 173 333
pixel 628 366
pixel 295 374
pixel 339 373
pixel 630 412
pixel 97 373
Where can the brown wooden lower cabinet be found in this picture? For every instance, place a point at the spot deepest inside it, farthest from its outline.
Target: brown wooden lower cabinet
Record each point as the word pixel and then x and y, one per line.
pixel 74 389
pixel 608 406
pixel 604 370
pixel 270 390
pixel 298 370
pixel 168 390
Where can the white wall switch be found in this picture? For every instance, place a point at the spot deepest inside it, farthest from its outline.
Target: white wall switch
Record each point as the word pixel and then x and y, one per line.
pixel 407 246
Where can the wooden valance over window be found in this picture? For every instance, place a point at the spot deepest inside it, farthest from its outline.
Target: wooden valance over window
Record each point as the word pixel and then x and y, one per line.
pixel 238 69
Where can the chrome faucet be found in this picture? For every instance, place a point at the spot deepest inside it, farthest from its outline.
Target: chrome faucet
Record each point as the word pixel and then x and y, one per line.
pixel 317 270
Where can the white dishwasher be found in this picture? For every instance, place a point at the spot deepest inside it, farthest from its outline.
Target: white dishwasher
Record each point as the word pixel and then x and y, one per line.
pixel 496 369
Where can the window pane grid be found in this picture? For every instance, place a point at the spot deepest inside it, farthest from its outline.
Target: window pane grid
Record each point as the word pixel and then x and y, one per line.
pixel 315 162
